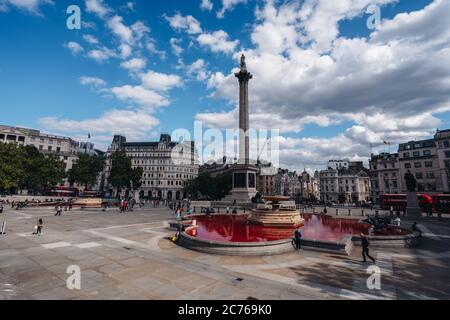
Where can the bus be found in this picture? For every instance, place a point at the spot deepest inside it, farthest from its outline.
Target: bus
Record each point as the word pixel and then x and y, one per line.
pixel 398 202
pixel 62 192
pixel 90 194
pixel 441 203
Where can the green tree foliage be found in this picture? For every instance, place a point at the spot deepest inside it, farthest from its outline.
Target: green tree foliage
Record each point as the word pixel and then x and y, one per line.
pixel 123 176
pixel 86 169
pixel 214 188
pixel 27 168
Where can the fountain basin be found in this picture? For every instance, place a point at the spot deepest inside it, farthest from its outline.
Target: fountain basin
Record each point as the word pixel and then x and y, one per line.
pixel 233 235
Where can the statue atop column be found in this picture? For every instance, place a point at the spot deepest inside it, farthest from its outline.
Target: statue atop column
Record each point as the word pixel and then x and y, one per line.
pixel 243 75
pixel 411 182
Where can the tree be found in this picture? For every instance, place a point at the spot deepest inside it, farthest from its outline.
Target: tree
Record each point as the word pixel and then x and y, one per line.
pixel 86 169
pixel 27 168
pixel 11 172
pixel 214 188
pixel 122 173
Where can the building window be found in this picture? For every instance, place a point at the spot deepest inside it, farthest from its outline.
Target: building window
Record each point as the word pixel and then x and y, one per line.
pixel 416 154
pixel 408 165
pixel 417 165
pixel 427 153
pixel 406 155
pixel 447 154
pixel 419 175
pixel 430 174
pixel 428 164
pixel 446 144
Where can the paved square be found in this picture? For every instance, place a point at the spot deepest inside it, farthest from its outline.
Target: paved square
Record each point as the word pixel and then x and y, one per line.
pixel 129 256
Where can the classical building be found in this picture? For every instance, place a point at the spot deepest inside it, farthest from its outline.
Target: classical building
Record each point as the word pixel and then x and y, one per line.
pixel 166 166
pixel 442 143
pixel 266 179
pixel 287 183
pixel 351 184
pixel 421 159
pixel 64 148
pixel 215 168
pixel 385 175
pixel 310 186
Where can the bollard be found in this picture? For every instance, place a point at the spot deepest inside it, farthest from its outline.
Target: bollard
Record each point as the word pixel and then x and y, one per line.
pixel 244 209
pixel 218 210
pixel 362 212
pixel 337 212
pixel 194 209
pixel 349 212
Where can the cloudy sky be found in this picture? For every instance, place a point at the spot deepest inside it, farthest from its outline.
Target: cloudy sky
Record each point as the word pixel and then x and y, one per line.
pixel 331 85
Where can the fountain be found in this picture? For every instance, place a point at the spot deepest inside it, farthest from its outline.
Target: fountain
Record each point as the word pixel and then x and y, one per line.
pixel 275 213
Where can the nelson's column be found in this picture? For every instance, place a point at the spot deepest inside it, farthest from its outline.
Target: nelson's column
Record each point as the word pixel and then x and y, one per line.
pixel 244 173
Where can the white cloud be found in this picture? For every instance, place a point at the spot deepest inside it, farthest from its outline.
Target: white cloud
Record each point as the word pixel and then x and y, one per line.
pixel 176 48
pixel 217 41
pixel 134 64
pixel 74 47
pixel 101 55
pixel 160 81
pixel 198 70
pixel 125 50
pixel 184 23
pixel 135 125
pixel 206 5
pixel 30 6
pixel 90 39
pixel 92 81
pixel 228 5
pixel 141 96
pixel 120 29
pixel 98 7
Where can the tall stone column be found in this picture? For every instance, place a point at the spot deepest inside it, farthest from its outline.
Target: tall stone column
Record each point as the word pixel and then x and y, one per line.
pixel 244 124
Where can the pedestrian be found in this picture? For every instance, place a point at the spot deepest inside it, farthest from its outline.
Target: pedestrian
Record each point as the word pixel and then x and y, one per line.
pixel 365 248
pixel 298 239
pixel 391 212
pixel 325 210
pixel 124 206
pixel 416 229
pixel 1 208
pixel 39 227
pixel 58 210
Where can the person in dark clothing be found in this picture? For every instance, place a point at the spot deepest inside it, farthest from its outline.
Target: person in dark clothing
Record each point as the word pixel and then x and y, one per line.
pixel 365 248
pixel 39 227
pixel 416 229
pixel 298 239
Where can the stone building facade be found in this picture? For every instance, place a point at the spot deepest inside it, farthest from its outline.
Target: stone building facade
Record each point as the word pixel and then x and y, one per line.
pixel 385 175
pixel 310 186
pixel 166 166
pixel 421 159
pixel 442 143
pixel 287 183
pixel 349 185
pixel 63 147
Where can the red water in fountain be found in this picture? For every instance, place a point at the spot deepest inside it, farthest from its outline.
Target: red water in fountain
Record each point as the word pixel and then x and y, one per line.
pixel 235 229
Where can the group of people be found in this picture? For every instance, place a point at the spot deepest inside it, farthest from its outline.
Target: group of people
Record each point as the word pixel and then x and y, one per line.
pixel 126 205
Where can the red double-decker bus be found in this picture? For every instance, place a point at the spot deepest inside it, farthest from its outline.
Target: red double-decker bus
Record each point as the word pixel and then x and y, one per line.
pixel 62 192
pixel 398 202
pixel 441 203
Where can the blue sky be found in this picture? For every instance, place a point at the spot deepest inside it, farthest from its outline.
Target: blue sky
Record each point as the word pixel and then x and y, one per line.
pixel 330 84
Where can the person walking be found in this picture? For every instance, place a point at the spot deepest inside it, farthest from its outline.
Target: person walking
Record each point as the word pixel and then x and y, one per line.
pixel 365 248
pixel 58 210
pixel 39 227
pixel 298 239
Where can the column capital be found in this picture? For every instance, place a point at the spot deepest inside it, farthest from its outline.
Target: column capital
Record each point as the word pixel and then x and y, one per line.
pixel 243 76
